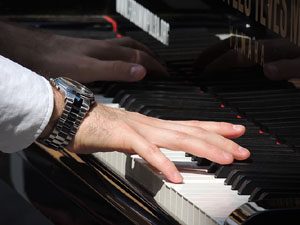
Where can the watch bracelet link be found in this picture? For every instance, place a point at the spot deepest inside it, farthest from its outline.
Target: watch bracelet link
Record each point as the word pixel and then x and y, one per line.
pixel 67 125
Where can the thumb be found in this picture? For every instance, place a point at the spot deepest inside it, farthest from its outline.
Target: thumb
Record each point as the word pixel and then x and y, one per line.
pixel 283 69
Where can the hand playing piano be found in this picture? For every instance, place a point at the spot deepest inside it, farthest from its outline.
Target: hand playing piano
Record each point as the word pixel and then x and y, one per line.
pixel 110 129
pixel 281 59
pixel 84 60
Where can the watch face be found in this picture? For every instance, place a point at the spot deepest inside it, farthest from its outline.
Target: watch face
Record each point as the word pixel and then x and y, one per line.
pixel 81 89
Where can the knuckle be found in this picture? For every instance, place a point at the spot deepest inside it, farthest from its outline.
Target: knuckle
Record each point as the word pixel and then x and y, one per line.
pixel 180 136
pixel 115 67
pixel 228 144
pixel 152 149
pixel 166 163
pixel 195 123
pixel 139 57
pixel 134 58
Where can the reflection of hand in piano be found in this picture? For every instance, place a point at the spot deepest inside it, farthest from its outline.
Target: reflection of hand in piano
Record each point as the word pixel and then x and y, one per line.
pixel 281 58
pixel 84 60
pixel 109 129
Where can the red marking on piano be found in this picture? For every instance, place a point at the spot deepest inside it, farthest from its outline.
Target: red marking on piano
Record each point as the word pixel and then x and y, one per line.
pixel 119 35
pixel 112 21
pixel 239 117
pixel 261 132
pixel 277 143
pixel 222 106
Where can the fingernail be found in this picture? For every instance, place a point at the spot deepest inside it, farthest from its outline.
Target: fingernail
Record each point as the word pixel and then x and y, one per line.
pixel 227 155
pixel 243 151
pixel 137 72
pixel 238 127
pixel 177 176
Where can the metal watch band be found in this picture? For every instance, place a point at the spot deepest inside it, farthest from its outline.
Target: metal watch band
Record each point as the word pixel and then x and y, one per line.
pixel 67 124
pixel 76 107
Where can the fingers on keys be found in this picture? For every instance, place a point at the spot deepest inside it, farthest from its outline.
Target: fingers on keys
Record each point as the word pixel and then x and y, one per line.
pixel 156 158
pixel 185 137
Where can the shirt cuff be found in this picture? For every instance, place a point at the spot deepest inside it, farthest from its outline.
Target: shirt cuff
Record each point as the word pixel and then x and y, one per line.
pixel 26 105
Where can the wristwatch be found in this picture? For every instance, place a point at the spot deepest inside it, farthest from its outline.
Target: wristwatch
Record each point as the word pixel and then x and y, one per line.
pixel 78 100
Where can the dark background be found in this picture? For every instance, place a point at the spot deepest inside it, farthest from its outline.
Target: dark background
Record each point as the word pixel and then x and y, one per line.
pixel 56 7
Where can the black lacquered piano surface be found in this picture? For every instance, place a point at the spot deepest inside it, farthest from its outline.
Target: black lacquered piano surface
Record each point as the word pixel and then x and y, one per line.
pixel 269 109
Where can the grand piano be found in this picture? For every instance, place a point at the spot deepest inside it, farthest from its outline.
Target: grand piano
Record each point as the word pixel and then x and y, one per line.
pixel 201 43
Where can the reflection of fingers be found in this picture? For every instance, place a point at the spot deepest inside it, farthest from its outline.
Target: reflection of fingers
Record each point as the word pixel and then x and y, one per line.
pixel 211 53
pixel 86 69
pixel 118 70
pixel 129 55
pixel 230 59
pixel 155 157
pixel 131 43
pixel 283 69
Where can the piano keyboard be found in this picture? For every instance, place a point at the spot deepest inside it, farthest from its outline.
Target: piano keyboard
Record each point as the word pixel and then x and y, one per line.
pixel 201 198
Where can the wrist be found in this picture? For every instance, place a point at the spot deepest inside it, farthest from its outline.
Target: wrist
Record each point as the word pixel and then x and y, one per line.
pixel 58 107
pixel 72 101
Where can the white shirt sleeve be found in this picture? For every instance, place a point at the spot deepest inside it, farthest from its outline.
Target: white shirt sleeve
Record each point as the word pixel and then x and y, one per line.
pixel 26 104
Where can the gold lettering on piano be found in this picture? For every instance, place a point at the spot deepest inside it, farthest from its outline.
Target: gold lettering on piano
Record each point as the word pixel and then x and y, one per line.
pixel 252 49
pixel 295 17
pixel 247 4
pixel 275 25
pixel 262 16
pixel 283 19
pixel 273 14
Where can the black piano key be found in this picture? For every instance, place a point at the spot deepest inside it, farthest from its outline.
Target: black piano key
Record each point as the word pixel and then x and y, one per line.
pixel 235 97
pixel 154 110
pixel 222 171
pixel 245 94
pixel 126 95
pixel 245 104
pixel 202 161
pixel 190 115
pixel 278 195
pixel 164 104
pixel 274 148
pixel 239 88
pixel 234 175
pixel 272 156
pixel 260 193
pixel 114 88
pixel 257 156
pixel 258 179
pixel 248 186
pixel 263 116
pixel 256 140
